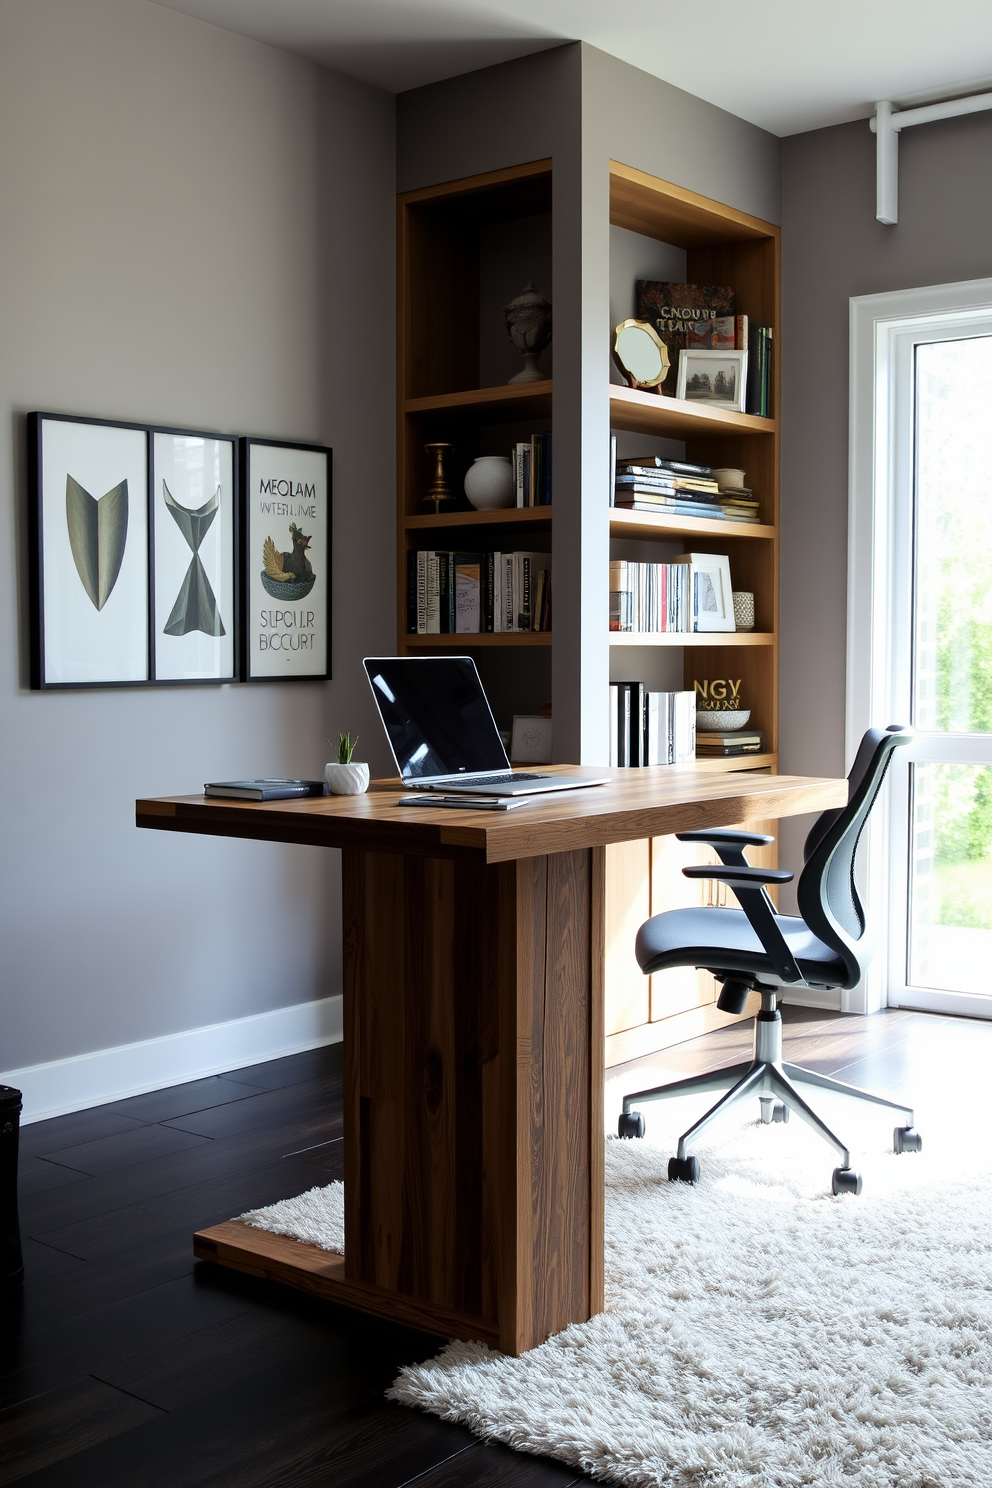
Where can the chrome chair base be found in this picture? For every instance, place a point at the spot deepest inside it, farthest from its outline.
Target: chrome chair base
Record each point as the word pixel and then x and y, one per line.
pixel 778 1086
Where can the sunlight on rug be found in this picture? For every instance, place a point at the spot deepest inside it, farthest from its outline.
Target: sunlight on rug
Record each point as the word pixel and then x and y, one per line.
pixel 758 1332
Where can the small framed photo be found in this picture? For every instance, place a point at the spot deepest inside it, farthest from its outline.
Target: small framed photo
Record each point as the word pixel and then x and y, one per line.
pixel 89 541
pixel 285 561
pixel 531 741
pixel 193 565
pixel 710 590
pixel 717 377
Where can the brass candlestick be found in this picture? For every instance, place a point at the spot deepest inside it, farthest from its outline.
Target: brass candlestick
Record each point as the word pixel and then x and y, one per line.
pixel 439 489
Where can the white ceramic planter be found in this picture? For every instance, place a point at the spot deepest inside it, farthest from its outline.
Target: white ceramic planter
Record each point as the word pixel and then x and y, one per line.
pixel 489 482
pixel 346 780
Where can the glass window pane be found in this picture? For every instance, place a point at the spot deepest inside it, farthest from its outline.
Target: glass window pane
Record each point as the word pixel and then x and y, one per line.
pixel 953 593
pixel 950 918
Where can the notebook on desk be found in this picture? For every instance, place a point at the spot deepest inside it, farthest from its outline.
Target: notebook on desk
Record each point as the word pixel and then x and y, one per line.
pixel 442 732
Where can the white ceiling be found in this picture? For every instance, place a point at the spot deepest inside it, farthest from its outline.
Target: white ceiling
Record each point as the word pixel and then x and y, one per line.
pixel 788 65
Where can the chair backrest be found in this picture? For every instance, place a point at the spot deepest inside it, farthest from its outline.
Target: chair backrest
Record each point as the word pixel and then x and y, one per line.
pixel 827 890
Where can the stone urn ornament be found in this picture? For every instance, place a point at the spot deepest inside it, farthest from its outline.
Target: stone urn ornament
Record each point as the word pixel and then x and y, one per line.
pixel 528 325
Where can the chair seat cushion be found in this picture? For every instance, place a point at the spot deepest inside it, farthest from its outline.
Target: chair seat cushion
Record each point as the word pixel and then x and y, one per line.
pixel 722 940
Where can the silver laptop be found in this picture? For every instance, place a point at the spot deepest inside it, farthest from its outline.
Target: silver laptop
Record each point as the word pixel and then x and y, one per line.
pixel 442 732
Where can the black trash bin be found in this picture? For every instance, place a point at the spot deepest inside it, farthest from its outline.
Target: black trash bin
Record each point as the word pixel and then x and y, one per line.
pixel 11 1262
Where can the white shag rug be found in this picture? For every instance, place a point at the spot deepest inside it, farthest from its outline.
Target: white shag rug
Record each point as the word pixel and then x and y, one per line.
pixel 758 1332
pixel 316 1216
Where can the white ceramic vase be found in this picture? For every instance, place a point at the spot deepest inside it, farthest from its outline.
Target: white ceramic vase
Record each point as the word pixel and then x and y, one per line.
pixel 346 780
pixel 489 482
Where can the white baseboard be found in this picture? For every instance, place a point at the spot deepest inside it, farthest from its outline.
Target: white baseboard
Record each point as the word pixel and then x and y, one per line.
pixel 812 997
pixel 86 1080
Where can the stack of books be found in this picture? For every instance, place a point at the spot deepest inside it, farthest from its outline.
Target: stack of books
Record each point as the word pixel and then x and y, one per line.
pixel 532 470
pixel 728 745
pixel 651 728
pixel 653 597
pixel 739 504
pixel 648 483
pixel 475 593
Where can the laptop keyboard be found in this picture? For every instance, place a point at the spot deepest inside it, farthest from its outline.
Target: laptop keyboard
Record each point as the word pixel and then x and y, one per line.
pixel 510 778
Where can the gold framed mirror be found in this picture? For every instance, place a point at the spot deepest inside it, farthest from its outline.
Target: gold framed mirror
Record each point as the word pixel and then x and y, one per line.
pixel 640 354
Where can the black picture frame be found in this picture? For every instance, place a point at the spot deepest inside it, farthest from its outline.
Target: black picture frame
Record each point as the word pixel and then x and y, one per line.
pixel 304 630
pixel 75 564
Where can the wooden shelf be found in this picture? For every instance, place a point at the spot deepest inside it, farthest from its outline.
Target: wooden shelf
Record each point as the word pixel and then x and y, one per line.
pixel 691 638
pixel 462 642
pixel 674 418
pixel 645 524
pixel 739 762
pixel 507 516
pixel 510 401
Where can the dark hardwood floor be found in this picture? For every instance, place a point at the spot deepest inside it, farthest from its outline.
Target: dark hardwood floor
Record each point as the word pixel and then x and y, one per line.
pixel 125 1364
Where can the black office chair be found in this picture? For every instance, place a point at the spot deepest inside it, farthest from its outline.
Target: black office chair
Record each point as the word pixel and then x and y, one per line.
pixel 755 948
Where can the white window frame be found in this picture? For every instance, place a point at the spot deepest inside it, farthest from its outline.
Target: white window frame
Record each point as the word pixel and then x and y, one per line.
pixel 885 328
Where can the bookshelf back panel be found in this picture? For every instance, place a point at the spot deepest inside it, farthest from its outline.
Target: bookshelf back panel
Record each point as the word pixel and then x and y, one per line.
pixel 440 302
pixel 755 669
pixel 748 266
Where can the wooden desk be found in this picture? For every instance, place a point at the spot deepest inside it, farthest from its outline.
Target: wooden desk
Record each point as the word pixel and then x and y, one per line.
pixel 473 1040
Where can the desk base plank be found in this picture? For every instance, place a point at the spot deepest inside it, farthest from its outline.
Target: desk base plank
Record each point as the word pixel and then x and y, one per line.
pixel 321 1273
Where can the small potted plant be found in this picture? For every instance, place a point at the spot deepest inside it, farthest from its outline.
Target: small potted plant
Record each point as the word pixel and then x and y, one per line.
pixel 344 778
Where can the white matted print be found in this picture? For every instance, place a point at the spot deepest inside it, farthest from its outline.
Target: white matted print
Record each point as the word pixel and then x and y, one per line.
pixel 717 377
pixel 286 542
pixel 193 494
pixel 90 510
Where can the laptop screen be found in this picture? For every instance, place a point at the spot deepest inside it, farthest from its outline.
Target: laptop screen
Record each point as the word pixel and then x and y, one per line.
pixel 436 715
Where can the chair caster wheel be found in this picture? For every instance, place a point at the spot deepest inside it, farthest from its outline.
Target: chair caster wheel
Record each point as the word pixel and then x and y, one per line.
pixel 906 1139
pixel 780 1112
pixel 631 1124
pixel 846 1180
pixel 683 1170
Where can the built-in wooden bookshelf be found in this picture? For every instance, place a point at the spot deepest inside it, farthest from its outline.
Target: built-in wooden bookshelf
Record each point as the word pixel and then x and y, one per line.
pixel 723 246
pixel 440 233
pixel 441 396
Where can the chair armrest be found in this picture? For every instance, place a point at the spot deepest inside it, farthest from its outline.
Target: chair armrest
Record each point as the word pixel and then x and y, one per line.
pixel 728 845
pixel 748 886
pixel 716 835
pixel 747 877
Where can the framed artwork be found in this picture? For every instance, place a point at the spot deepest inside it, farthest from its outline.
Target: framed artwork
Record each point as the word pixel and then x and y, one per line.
pixel 286 561
pixel 89 552
pixel 717 377
pixel 133 554
pixel 193 545
pixel 712 594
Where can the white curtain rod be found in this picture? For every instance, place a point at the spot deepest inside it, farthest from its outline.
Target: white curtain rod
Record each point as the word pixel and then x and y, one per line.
pixel 886 126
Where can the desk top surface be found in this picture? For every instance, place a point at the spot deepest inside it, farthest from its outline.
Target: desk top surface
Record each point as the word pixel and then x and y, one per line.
pixel 651 802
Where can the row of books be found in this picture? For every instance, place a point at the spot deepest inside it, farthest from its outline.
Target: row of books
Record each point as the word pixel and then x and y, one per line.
pixel 532 470
pixel 477 593
pixel 724 745
pixel 704 316
pixel 677 488
pixel 653 597
pixel 651 728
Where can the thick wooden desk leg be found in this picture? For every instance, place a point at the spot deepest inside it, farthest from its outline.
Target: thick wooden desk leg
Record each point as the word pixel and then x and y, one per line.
pixel 473 1089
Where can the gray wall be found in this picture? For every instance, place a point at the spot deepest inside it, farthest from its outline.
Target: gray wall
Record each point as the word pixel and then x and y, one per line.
pixel 833 248
pixel 197 229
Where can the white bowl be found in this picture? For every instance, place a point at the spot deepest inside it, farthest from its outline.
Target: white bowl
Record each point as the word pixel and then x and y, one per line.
pixel 722 723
